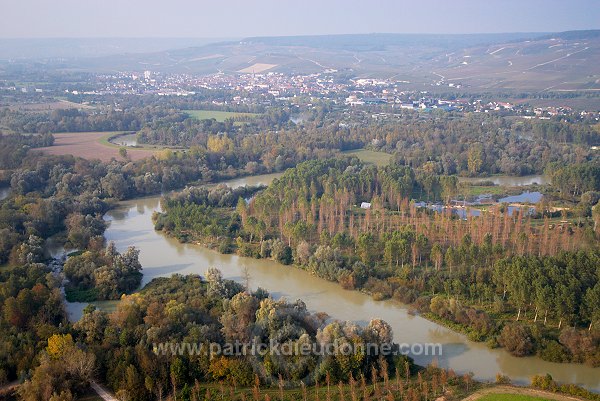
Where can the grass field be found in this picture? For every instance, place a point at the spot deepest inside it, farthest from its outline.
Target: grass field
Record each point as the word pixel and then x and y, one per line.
pixel 370 156
pixel 510 397
pixel 217 115
pixel 514 393
pixel 91 145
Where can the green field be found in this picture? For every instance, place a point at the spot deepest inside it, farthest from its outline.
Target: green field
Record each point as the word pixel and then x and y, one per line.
pixel 476 190
pixel 217 115
pixel 510 397
pixel 370 156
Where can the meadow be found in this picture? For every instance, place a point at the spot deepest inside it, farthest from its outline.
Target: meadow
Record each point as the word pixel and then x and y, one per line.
pixel 217 114
pixel 370 156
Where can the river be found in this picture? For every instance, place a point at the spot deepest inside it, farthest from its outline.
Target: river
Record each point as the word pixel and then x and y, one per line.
pixel 131 224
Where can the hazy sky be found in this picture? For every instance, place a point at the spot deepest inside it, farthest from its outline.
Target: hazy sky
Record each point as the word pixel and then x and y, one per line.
pixel 240 18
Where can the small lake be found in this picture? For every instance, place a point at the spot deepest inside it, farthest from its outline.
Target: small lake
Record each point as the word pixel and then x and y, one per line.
pixel 510 180
pixel 4 192
pixel 525 197
pixel 124 140
pixel 460 211
pixel 252 181
pixel 298 118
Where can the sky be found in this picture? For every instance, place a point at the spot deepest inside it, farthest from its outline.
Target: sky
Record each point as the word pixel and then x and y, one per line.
pixel 243 18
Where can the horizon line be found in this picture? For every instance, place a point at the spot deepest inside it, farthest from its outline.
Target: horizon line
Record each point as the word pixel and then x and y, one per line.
pixel 291 36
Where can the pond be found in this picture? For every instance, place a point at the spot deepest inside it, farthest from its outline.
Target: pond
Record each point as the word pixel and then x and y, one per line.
pixel 4 192
pixel 124 140
pixel 510 180
pixel 525 197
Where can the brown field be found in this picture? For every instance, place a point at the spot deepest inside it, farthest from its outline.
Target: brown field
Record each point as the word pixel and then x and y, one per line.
pixel 57 105
pixel 257 68
pixel 89 146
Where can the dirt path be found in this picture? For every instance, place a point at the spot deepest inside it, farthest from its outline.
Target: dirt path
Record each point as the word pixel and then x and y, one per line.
pixel 521 391
pixel 103 392
pixel 8 388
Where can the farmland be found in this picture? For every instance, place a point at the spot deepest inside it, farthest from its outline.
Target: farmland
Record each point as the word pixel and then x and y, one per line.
pixel 217 115
pixel 257 68
pixel 91 145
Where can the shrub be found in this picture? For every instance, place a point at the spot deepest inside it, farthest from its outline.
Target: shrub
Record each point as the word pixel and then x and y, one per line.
pixel 552 351
pixel 516 339
pixel 502 379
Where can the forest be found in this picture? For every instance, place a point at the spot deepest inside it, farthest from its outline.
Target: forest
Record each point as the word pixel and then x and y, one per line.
pixel 65 198
pixel 512 280
pixel 523 281
pixel 465 144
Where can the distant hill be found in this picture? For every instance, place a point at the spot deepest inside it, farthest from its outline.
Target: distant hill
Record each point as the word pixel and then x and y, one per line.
pixel 565 61
pixel 15 49
pixel 381 41
pixel 575 35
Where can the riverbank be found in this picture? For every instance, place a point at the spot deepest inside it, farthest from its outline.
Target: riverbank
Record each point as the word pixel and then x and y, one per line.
pixel 161 256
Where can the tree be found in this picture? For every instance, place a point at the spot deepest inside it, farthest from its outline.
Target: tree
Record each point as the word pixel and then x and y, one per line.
pixel 592 305
pixel 475 158
pixel 59 344
pixel 366 245
pixel 64 369
pixel 303 253
pixel 516 338
pixel 238 318
pixel 31 251
pixel 115 185
pixel 437 255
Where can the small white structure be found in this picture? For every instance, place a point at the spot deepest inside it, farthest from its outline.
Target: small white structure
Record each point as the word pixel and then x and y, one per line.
pixel 365 205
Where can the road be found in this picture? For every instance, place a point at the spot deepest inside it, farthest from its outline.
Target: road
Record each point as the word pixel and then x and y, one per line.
pixel 103 392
